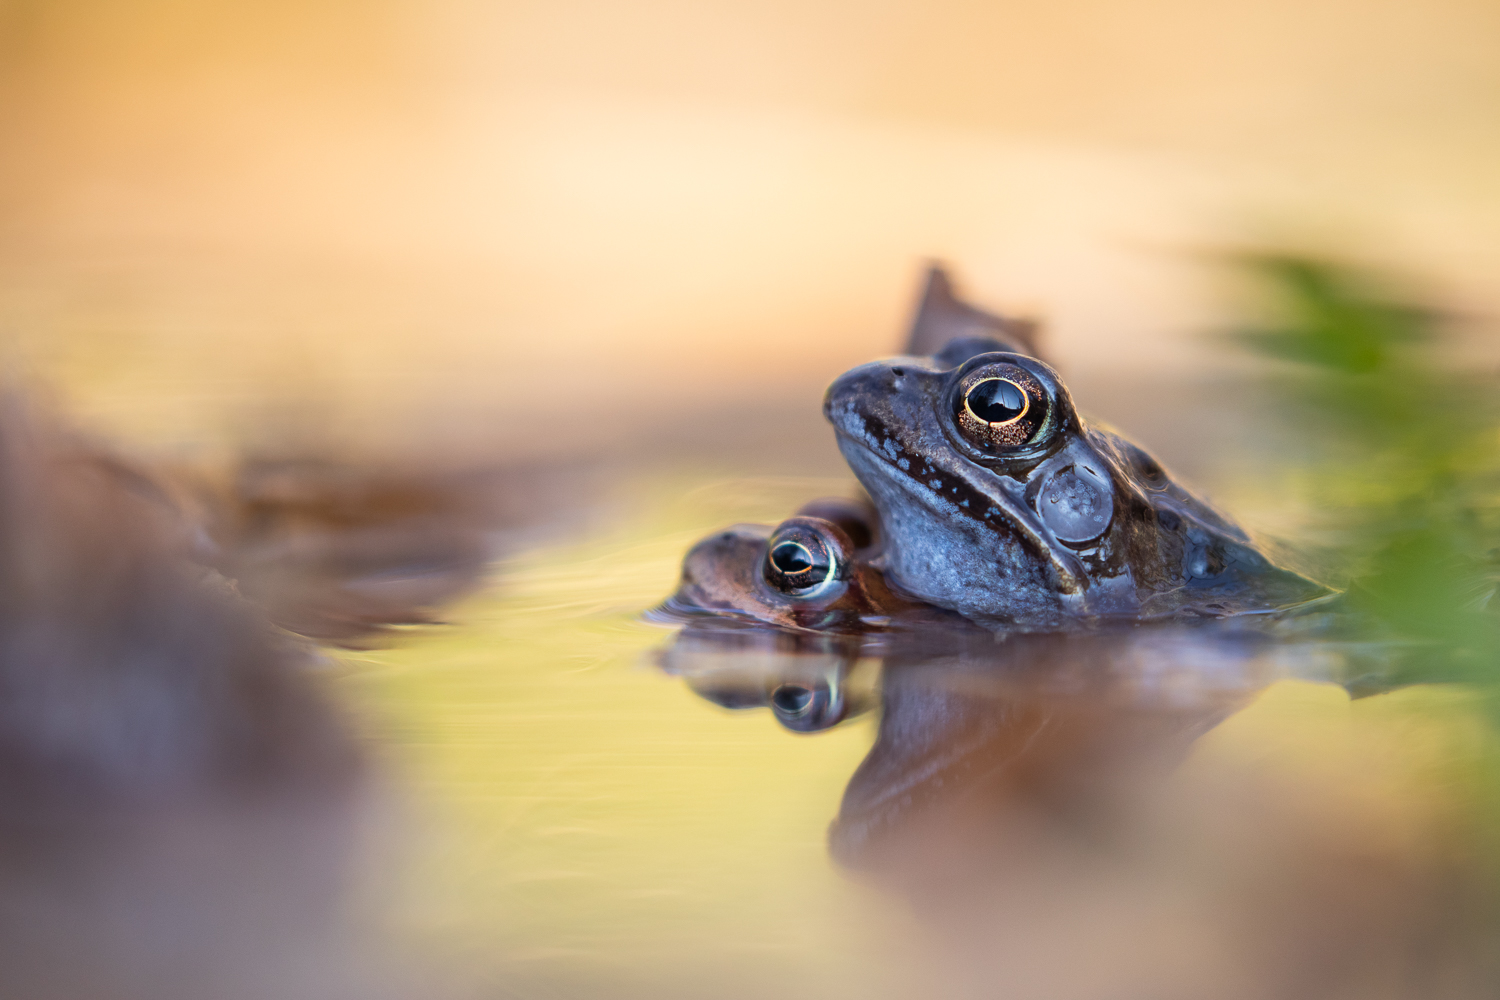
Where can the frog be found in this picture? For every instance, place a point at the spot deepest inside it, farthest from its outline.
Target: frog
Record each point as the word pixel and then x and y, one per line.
pixel 999 501
pixel 780 617
pixel 819 570
pixel 813 572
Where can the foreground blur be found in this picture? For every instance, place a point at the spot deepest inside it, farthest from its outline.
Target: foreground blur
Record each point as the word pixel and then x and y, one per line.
pixel 179 800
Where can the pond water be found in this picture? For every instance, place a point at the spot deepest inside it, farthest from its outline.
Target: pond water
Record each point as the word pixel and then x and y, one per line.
pixel 564 806
pixel 1137 815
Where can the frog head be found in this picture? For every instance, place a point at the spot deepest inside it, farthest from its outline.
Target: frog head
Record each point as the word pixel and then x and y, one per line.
pixel 812 571
pixel 999 501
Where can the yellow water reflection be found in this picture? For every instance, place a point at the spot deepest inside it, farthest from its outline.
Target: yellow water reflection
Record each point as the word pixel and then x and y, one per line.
pixel 580 816
pixel 575 822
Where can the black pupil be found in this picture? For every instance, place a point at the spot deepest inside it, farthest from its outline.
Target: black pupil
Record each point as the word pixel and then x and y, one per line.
pixel 792 699
pixel 996 400
pixel 791 558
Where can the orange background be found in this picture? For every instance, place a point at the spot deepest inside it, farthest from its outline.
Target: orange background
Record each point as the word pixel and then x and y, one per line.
pixel 538 224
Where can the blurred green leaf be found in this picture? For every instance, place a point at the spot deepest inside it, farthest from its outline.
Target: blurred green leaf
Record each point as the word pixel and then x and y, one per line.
pixel 1331 325
pixel 1405 466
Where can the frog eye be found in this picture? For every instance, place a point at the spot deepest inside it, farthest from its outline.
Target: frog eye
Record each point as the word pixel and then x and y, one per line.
pixel 807 708
pixel 804 558
pixel 1000 406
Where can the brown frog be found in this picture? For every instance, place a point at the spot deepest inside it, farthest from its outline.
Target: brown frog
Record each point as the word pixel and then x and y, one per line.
pixel 999 501
pixel 813 571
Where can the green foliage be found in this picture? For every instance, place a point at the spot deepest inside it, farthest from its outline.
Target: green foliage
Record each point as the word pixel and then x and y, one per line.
pixel 1406 456
pixel 1328 326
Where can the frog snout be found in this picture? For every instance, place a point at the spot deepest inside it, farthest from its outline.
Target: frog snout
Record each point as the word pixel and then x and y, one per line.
pixel 869 390
pixel 721 558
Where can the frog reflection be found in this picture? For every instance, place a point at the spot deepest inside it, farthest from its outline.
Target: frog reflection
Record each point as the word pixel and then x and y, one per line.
pixel 808 682
pixel 1034 718
pixel 1047 728
pixel 1050 811
pixel 1001 503
pixel 1046 807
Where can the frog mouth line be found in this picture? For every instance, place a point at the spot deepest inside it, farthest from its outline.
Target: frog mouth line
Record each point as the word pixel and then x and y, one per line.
pixel 1069 576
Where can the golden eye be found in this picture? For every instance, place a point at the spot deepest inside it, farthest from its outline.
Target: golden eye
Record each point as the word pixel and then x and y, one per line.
pixel 997 401
pixel 793 559
pixel 804 557
pixel 1000 406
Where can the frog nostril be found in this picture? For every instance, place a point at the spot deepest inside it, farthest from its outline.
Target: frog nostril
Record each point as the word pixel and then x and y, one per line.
pixel 898 372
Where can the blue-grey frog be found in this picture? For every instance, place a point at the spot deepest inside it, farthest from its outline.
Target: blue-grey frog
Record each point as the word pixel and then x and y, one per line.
pixel 1000 502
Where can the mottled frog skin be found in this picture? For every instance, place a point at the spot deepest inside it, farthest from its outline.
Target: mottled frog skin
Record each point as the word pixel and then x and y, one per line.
pixel 999 501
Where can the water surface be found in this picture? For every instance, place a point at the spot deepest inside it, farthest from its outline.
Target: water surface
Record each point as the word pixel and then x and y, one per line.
pixel 1136 815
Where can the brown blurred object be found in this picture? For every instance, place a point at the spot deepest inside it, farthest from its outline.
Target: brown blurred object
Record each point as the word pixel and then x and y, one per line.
pixel 342 552
pixel 178 800
pixel 339 552
pixel 942 317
